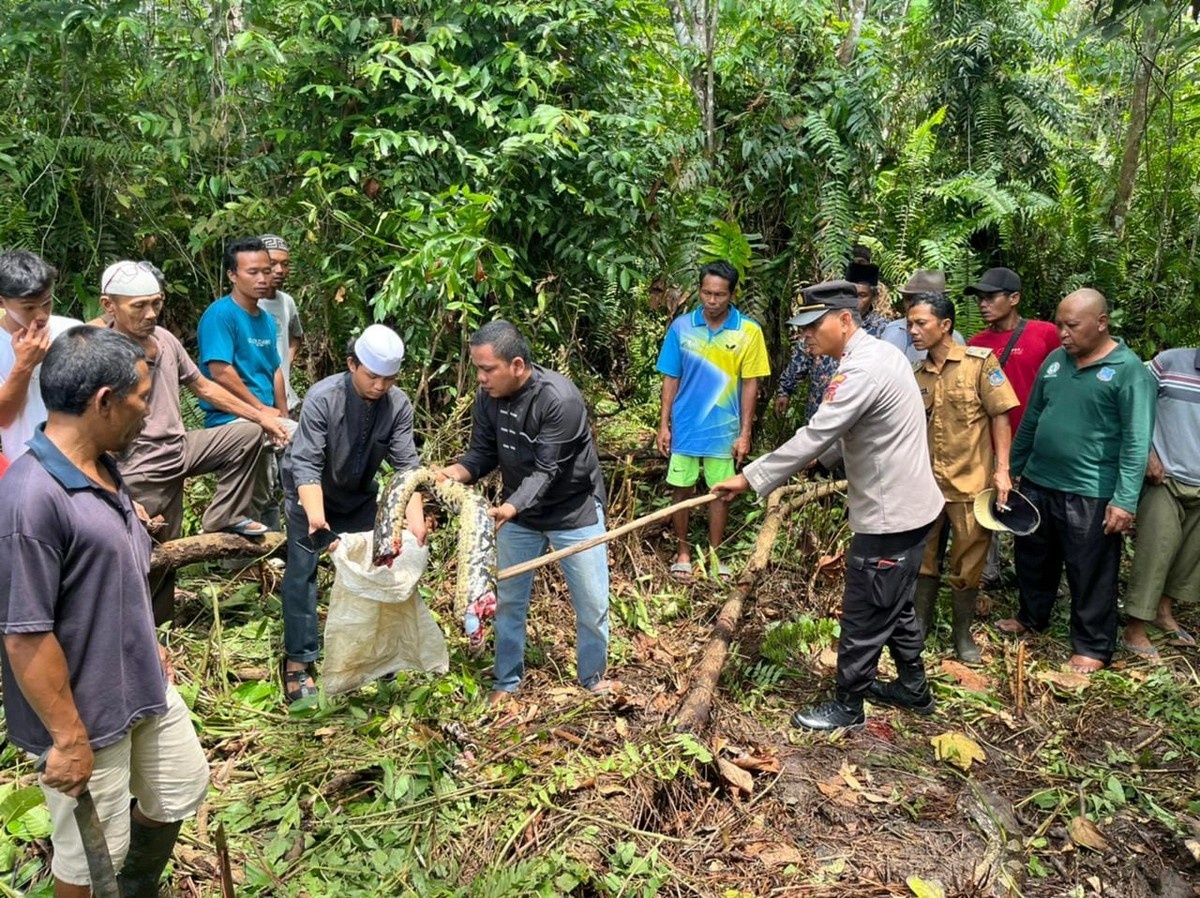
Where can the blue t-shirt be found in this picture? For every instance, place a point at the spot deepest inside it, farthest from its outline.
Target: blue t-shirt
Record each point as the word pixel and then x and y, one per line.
pixel 707 414
pixel 228 333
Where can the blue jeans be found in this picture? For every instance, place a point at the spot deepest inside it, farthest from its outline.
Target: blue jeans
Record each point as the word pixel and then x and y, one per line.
pixel 587 581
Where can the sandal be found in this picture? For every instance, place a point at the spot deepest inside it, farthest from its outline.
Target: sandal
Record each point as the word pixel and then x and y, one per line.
pixel 682 571
pixel 295 683
pixel 247 527
pixel 605 687
pixel 1178 637
pixel 723 571
pixel 1148 652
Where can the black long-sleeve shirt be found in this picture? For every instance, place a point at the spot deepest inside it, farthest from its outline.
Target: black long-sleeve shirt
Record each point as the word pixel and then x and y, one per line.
pixel 342 440
pixel 541 440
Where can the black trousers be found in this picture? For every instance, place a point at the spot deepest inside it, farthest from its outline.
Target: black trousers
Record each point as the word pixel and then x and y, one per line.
pixel 1071 534
pixel 877 607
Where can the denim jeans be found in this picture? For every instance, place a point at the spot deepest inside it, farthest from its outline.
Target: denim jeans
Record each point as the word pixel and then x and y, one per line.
pixel 587 581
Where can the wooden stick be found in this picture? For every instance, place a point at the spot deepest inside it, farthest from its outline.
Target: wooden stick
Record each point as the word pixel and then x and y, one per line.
pixel 694 710
pixel 525 567
pixel 179 553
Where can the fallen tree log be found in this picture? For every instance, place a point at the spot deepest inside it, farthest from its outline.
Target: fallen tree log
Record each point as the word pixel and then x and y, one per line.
pixel 697 703
pixel 179 553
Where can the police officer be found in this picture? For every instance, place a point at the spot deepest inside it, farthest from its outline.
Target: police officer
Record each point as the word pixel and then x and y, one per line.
pixel 872 418
pixel 967 400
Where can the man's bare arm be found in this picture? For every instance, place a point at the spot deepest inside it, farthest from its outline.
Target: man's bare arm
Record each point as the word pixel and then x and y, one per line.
pixel 40 669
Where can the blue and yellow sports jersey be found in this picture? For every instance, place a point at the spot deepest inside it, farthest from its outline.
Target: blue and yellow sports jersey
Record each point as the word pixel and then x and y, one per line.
pixel 707 413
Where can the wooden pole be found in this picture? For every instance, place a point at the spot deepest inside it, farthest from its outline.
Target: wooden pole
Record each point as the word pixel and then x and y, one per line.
pixel 525 567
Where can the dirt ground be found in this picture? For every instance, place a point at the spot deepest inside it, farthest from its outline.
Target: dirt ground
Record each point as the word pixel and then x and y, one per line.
pixel 862 814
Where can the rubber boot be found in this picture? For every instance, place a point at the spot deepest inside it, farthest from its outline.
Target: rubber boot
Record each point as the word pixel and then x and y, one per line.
pixel 909 690
pixel 925 603
pixel 844 712
pixel 964 615
pixel 150 848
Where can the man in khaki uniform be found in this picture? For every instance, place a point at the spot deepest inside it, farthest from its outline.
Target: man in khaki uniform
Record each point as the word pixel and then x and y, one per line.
pixel 967 401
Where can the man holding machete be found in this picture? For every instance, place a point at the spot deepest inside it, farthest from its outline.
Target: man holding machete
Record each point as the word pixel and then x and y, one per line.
pixel 86 683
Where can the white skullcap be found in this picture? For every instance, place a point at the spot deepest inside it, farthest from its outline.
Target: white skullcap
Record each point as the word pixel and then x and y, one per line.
pixel 128 279
pixel 380 349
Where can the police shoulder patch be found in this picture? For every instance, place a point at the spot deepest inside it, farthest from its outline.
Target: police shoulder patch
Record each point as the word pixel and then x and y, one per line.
pixel 979 352
pixel 996 378
pixel 831 390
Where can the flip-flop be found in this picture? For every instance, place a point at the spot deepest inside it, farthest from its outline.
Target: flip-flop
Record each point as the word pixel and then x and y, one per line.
pixel 1180 638
pixel 723 571
pixel 1150 653
pixel 248 527
pixel 682 571
pixel 605 687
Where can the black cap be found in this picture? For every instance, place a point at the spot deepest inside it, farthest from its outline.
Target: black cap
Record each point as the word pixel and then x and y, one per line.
pixel 828 296
pixel 1019 516
pixel 997 280
pixel 863 273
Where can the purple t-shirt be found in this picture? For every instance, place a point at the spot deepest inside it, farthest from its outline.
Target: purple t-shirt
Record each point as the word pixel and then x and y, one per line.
pixel 74 561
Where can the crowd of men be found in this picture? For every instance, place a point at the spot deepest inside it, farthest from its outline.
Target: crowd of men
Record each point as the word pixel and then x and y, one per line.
pixel 1054 432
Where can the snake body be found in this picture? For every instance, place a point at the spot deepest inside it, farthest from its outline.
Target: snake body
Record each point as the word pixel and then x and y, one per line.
pixel 475 591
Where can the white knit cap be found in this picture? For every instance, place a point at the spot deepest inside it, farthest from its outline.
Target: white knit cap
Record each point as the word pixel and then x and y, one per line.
pixel 128 279
pixel 380 350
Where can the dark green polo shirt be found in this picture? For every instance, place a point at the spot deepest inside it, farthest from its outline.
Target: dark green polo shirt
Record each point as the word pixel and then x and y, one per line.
pixel 1087 430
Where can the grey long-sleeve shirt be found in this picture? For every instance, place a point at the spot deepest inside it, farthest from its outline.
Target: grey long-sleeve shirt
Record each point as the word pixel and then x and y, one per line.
pixel 343 439
pixel 873 417
pixel 541 440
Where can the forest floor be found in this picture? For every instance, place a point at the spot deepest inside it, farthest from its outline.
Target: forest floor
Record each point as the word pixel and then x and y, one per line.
pixel 1078 788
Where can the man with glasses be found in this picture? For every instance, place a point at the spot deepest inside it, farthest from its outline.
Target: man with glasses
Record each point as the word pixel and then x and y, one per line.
pixel 27 297
pixel 158 461
pixel 1021 345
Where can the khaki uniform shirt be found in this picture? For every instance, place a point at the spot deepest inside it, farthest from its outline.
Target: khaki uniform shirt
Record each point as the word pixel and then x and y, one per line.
pixel 960 401
pixel 872 417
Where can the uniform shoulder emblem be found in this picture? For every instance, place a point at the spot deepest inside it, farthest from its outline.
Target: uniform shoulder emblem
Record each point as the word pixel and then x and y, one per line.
pixel 831 391
pixel 996 378
pixel 979 352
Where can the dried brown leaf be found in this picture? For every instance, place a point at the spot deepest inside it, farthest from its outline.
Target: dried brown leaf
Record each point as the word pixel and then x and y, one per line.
pixel 1084 833
pixel 735 776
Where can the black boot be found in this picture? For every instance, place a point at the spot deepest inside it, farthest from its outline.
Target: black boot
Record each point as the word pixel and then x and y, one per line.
pixel 964 614
pixel 909 690
pixel 150 848
pixel 925 603
pixel 844 712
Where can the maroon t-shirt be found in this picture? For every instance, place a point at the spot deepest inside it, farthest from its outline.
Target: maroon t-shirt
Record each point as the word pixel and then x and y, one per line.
pixel 1038 340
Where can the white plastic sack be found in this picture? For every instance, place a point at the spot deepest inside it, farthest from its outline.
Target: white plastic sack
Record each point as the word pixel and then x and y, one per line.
pixel 377 622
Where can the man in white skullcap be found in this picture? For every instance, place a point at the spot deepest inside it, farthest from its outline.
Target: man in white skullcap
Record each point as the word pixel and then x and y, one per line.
pixel 156 464
pixel 349 424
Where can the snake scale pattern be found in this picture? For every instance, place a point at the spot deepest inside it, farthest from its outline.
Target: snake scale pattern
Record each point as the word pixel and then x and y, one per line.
pixel 475 592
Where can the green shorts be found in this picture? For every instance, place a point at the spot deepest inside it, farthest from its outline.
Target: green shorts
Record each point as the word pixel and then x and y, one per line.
pixel 684 470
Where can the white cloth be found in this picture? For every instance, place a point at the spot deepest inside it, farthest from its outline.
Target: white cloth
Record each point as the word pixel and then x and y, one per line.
pixel 282 308
pixel 33 413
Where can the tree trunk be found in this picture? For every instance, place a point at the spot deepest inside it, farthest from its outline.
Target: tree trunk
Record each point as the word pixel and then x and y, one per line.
pixel 858 12
pixel 1138 105
pixel 210 546
pixel 695 24
pixel 697 704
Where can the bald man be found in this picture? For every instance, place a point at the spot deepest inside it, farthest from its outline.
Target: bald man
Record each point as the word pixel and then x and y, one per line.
pixel 1081 454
